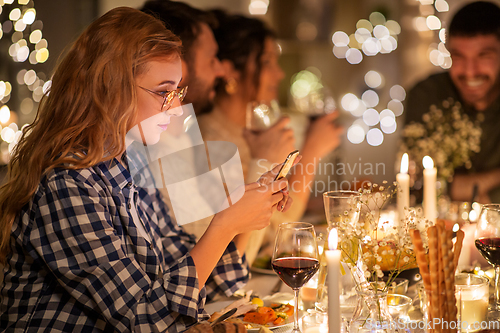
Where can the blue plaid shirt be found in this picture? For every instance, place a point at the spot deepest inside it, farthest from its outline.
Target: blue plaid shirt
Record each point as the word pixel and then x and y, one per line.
pixel 79 263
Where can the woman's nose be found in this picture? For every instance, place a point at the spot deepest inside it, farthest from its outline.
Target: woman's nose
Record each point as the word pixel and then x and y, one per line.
pixel 176 108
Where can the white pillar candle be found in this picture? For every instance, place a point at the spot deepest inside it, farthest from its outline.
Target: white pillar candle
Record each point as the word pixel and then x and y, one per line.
pixel 333 264
pixel 403 179
pixel 318 329
pixel 430 195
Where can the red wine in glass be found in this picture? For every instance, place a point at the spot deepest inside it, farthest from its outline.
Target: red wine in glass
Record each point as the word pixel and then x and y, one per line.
pixel 490 249
pixel 487 240
pixel 295 258
pixel 295 271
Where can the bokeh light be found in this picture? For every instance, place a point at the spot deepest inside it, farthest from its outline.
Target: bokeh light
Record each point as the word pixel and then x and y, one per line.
pixel 377 18
pixel 35 36
pixel 442 35
pixel 349 102
pixel 381 32
pixel 340 51
pixel 362 35
pixel 4 114
pixel 374 137
pixel 29 16
pixel 354 56
pixel 30 77
pixel 258 7
pixel 370 98
pixel 441 6
pixel 42 55
pixel 15 14
pixel 340 38
pixel 420 24
pixel 356 134
pixel 433 22
pixel 371 46
pixel 364 24
pixel 396 107
pixel 373 79
pixel 389 129
pixel 371 117
pixel 394 27
pixel 397 92
pixel 8 134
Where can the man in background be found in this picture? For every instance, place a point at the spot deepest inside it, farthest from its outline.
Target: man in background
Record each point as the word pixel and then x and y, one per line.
pixel 473 41
pixel 200 65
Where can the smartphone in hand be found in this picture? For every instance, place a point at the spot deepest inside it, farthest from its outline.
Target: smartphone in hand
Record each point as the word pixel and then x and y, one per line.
pixel 285 168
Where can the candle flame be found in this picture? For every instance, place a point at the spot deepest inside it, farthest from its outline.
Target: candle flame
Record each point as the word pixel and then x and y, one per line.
pixel 428 162
pixel 333 239
pixel 404 163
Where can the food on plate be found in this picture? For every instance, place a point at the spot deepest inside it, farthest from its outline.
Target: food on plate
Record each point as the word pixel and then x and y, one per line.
pixel 223 327
pixel 253 313
pixel 242 305
pixel 263 262
pixel 227 327
pixel 257 301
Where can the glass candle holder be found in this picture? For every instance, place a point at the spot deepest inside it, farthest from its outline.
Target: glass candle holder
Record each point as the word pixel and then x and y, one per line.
pixel 472 292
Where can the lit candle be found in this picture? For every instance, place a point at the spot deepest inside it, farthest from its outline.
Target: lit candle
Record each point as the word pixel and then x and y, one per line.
pixel 333 264
pixel 430 196
pixel 319 329
pixel 403 179
pixel 386 223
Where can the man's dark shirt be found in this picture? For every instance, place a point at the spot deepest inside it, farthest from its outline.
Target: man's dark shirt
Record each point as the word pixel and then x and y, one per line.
pixel 439 87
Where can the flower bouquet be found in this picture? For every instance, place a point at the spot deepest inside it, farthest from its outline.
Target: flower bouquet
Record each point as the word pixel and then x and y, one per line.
pixel 376 247
pixel 447 135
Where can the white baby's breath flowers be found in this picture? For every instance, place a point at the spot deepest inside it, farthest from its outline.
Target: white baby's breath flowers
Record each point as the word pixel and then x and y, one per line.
pixel 447 135
pixel 383 244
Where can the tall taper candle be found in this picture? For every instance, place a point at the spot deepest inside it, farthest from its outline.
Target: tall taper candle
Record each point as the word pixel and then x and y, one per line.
pixel 403 179
pixel 333 264
pixel 430 195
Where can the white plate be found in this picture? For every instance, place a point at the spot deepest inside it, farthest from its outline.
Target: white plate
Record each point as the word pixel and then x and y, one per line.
pixel 262 270
pixel 283 298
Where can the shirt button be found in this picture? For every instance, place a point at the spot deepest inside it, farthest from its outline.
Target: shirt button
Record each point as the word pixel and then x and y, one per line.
pixel 129 205
pixel 150 246
pixel 129 184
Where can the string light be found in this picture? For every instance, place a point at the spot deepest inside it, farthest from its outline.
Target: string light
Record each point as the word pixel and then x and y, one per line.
pixel 23 32
pixel 373 36
pixel 368 117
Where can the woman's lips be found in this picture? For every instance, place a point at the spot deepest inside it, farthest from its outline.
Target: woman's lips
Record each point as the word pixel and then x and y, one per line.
pixel 163 126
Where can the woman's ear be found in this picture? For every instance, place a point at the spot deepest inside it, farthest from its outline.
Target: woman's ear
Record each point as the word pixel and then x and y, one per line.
pixel 185 73
pixel 229 71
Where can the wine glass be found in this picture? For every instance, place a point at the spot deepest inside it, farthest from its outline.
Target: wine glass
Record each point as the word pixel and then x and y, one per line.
pixel 262 115
pixel 487 238
pixel 295 258
pixel 316 103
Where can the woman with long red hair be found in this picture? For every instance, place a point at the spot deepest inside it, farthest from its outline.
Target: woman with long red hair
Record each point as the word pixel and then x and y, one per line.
pixel 87 249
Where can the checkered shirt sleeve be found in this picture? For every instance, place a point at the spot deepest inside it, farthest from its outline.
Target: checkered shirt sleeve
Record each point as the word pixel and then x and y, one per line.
pixel 91 271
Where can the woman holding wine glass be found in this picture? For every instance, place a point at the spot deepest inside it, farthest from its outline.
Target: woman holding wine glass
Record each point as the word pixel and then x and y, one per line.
pixel 488 243
pixel 249 56
pixel 295 258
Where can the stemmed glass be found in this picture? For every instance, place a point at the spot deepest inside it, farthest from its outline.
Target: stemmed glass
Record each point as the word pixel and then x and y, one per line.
pixel 342 209
pixel 295 258
pixel 317 103
pixel 262 115
pixel 487 238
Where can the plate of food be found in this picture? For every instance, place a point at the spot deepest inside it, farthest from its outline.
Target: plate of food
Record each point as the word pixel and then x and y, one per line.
pixel 273 312
pixel 262 265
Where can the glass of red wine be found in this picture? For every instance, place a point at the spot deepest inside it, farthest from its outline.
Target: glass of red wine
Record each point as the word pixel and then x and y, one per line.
pixel 487 238
pixel 295 258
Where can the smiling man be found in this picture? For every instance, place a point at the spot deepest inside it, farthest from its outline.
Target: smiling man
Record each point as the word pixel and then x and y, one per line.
pixel 473 41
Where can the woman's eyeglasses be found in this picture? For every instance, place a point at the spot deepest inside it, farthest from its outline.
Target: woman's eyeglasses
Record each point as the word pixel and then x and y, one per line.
pixel 168 96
